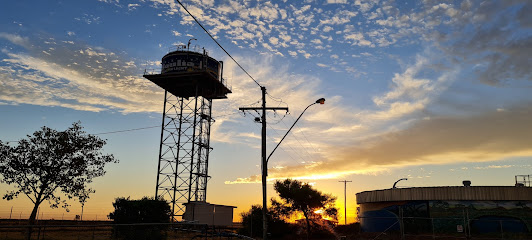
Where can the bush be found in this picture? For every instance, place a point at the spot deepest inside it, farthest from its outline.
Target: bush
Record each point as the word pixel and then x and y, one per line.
pixel 145 210
pixel 252 224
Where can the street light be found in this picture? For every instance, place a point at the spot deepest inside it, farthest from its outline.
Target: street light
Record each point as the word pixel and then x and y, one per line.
pixel 320 101
pixel 265 170
pixel 399 181
pixel 264 159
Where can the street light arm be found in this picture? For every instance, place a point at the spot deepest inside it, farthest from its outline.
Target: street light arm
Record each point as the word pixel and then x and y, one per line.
pixel 267 159
pixel 398 181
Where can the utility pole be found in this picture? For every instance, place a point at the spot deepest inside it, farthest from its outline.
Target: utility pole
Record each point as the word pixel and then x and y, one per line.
pixel 345 200
pixel 264 162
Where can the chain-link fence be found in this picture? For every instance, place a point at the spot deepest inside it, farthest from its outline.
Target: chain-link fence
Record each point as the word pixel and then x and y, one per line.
pixel 94 230
pixel 488 227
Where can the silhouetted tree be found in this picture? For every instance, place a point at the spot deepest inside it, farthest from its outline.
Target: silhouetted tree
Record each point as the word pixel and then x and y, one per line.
pixel 145 210
pixel 83 196
pixel 50 161
pixel 252 224
pixel 297 197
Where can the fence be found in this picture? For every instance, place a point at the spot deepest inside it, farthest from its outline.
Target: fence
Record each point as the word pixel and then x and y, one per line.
pixel 445 228
pixel 45 213
pixel 94 230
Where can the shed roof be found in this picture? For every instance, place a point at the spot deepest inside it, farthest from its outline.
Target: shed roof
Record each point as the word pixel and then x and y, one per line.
pixel 207 203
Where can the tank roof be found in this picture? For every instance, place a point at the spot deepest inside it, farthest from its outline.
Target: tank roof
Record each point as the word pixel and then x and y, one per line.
pixel 474 193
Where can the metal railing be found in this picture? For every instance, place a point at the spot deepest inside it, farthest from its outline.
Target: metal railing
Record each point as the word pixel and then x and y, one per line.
pixel 153 71
pixel 183 48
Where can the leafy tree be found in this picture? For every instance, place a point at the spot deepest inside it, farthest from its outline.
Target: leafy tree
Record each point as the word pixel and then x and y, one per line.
pixel 301 198
pixel 50 161
pixel 145 210
pixel 252 224
pixel 83 196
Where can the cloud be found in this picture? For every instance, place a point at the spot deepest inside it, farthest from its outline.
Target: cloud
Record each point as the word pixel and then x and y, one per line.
pixel 339 18
pixel 317 41
pixel 15 39
pixel 336 1
pixel 480 138
pixel 398 132
pixel 271 74
pixel 467 36
pixel 499 45
pixel 132 6
pixel 89 18
pixel 74 76
pixel 494 167
pixel 357 39
pixel 466 31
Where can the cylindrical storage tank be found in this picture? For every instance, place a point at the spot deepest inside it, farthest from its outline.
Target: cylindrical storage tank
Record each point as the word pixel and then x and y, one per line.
pixel 447 211
pixel 187 61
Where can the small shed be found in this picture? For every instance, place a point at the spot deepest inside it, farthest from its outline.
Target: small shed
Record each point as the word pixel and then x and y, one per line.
pixel 207 213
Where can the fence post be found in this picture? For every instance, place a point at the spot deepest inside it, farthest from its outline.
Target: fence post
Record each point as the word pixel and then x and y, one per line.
pixel 401 223
pixel 502 230
pixel 464 222
pixel 433 232
pixel 39 233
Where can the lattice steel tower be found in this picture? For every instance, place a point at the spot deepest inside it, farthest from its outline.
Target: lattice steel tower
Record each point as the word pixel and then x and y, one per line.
pixel 191 80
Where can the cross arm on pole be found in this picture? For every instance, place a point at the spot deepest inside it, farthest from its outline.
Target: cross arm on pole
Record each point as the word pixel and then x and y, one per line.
pixel 260 108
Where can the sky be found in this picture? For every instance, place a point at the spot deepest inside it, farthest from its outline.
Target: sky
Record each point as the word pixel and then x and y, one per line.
pixel 434 91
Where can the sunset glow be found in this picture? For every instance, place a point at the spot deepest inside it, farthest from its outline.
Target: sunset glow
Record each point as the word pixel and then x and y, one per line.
pixel 434 91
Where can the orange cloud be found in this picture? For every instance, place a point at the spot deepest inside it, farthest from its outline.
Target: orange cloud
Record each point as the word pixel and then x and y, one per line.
pixel 485 137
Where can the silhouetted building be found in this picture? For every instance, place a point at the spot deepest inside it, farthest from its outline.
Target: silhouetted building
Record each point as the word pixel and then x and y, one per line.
pixel 206 213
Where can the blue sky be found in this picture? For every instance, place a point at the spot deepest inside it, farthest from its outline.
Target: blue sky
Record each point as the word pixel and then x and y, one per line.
pixel 437 91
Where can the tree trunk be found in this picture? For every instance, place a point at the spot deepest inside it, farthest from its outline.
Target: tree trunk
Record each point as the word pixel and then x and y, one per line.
pixel 33 215
pixel 308 224
pixel 31 221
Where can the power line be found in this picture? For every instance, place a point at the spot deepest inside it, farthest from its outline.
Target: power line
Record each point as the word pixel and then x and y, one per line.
pixel 126 130
pixel 289 146
pixel 276 117
pixel 118 131
pixel 217 42
pixel 304 135
pixel 280 100
pixel 253 117
pixel 305 148
pixel 141 128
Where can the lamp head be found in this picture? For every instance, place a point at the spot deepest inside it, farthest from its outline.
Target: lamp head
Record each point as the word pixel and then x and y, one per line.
pixel 321 101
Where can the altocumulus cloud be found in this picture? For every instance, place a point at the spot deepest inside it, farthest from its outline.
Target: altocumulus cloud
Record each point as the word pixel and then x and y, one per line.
pixel 63 73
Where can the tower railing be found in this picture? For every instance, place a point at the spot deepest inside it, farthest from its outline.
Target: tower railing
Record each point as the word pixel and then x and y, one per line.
pixel 183 48
pixel 153 71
